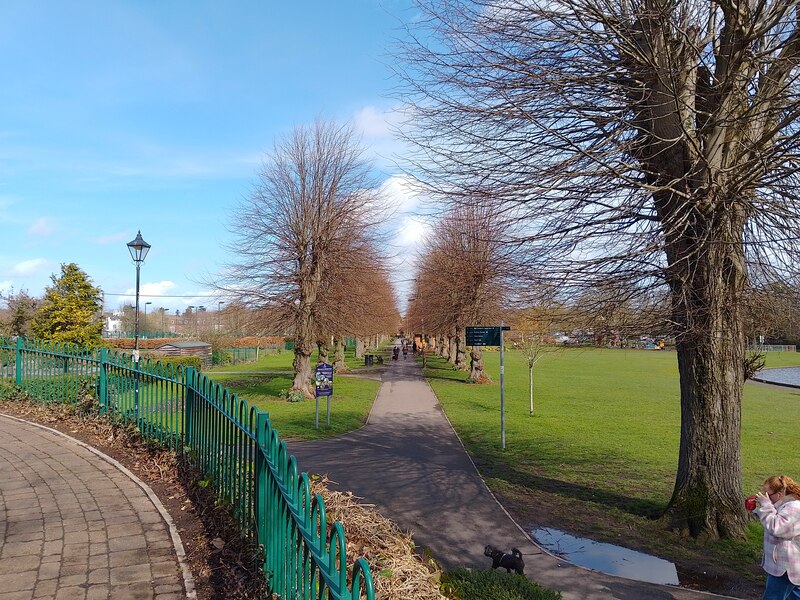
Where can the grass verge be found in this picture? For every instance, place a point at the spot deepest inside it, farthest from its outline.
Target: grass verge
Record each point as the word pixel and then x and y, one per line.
pixel 350 404
pixel 282 361
pixel 482 584
pixel 598 456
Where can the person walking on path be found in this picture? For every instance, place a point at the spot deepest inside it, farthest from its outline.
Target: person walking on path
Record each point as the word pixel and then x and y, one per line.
pixel 779 513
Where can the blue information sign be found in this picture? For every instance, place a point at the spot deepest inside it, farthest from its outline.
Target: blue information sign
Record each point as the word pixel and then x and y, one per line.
pixel 323 377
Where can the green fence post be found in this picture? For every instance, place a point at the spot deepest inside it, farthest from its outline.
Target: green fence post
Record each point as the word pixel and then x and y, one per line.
pixel 102 387
pixel 261 508
pixel 18 363
pixel 188 406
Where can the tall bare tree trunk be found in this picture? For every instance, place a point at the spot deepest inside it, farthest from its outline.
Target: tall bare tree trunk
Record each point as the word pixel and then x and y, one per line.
pixel 323 349
pixel 461 354
pixel 303 347
pixel 452 344
pixel 359 348
pixel 477 373
pixel 338 361
pixel 707 287
pixel 444 347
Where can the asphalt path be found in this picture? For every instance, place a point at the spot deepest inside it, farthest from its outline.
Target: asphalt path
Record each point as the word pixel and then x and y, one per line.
pixel 411 465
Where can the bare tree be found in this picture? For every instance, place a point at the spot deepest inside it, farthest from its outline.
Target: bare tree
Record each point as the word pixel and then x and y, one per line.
pixel 20 309
pixel 647 141
pixel 771 315
pixel 314 196
pixel 357 299
pixel 534 329
pixel 462 280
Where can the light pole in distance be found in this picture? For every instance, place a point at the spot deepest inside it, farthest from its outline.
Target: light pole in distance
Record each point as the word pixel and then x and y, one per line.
pixel 197 314
pixel 138 249
pixel 144 325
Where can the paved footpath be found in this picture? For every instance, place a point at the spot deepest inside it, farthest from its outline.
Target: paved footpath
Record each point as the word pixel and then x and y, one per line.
pixel 409 462
pixel 74 525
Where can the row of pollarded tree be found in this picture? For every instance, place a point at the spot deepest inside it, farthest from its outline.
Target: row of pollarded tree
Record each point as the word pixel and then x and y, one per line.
pixel 306 246
pixel 462 280
pixel 647 142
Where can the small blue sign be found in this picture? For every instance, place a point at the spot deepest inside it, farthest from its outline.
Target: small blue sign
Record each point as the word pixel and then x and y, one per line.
pixel 323 377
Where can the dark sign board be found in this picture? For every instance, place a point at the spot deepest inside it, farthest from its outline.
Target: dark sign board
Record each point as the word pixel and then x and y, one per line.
pixel 323 377
pixel 485 336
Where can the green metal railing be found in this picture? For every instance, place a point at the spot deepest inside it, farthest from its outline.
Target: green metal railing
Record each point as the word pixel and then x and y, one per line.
pixel 235 446
pixel 236 356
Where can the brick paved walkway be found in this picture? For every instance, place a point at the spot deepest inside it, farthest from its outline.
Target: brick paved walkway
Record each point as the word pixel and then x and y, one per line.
pixel 75 526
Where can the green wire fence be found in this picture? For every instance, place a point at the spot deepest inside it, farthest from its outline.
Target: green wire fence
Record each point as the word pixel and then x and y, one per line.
pixel 234 445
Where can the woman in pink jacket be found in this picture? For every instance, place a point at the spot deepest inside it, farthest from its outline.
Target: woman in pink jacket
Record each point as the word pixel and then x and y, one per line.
pixel 779 512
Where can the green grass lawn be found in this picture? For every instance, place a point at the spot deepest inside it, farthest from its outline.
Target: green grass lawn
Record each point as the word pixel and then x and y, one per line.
pixel 605 430
pixel 608 416
pixel 350 404
pixel 282 361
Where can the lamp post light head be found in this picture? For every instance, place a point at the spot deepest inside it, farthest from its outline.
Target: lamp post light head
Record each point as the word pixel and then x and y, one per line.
pixel 138 248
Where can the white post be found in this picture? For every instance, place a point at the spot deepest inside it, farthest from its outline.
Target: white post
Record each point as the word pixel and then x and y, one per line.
pixel 530 371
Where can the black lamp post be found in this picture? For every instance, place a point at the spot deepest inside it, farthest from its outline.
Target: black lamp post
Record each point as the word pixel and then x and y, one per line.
pixel 138 249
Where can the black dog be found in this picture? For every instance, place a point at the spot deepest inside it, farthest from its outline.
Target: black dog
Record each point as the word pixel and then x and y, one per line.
pixel 506 561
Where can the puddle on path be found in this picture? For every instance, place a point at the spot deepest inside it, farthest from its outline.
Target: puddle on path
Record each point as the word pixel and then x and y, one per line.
pixel 608 558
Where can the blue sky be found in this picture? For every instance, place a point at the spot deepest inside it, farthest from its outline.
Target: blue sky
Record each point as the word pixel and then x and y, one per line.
pixel 127 115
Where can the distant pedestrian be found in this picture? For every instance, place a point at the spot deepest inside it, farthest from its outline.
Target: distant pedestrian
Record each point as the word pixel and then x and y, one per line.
pixel 395 353
pixel 779 512
pixel 405 352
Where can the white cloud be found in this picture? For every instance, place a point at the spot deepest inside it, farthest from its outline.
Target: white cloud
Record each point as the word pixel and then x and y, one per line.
pixel 374 122
pixel 42 227
pixel 6 286
pixel 398 191
pixel 149 292
pixel 113 238
pixel 412 231
pixel 378 127
pixel 28 267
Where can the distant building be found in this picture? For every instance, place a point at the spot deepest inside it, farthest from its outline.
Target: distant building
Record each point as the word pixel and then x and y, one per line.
pixel 113 324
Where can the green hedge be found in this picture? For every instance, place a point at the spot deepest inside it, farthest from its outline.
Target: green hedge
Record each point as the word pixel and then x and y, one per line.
pixel 472 584
pixel 220 358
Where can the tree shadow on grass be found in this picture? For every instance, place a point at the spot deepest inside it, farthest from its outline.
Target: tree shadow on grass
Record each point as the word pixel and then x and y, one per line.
pixel 640 507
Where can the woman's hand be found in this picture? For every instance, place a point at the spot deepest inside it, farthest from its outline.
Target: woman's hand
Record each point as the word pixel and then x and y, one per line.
pixel 763 499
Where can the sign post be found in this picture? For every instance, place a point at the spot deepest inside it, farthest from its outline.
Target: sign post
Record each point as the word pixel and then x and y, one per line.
pixel 502 392
pixel 323 379
pixel 493 336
